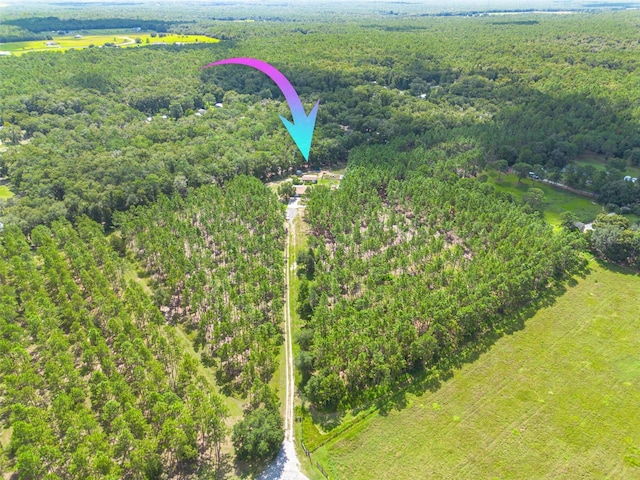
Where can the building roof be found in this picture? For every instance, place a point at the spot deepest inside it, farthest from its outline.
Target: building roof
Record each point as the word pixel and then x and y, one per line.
pixel 300 190
pixel 309 178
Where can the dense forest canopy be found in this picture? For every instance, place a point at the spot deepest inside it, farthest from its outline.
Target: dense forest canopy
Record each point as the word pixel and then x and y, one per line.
pixel 536 94
pixel 216 258
pixel 94 381
pixel 94 385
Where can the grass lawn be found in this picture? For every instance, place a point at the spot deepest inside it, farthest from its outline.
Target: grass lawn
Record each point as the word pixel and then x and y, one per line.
pixel 557 200
pixel 122 39
pixel 558 399
pixel 599 163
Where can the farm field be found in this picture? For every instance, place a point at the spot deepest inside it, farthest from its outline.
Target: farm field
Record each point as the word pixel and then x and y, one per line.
pixel 554 400
pixel 126 39
pixel 556 200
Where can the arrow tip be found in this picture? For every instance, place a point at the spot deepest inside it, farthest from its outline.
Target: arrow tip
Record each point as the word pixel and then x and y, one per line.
pixel 302 130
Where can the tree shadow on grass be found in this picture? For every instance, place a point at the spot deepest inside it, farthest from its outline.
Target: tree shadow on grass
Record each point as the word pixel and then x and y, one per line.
pixel 327 420
pixel 614 267
pixel 431 380
pixel 421 381
pixel 243 469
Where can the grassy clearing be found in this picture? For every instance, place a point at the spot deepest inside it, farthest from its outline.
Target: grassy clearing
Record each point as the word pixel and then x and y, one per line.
pixel 122 39
pixel 599 163
pixel 557 200
pixel 557 399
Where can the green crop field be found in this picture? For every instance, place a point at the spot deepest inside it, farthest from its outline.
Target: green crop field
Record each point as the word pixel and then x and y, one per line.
pixel 557 399
pixel 556 200
pixel 128 39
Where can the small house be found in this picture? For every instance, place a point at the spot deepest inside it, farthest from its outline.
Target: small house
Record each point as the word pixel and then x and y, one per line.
pixel 309 178
pixel 300 190
pixel 627 178
pixel 78 36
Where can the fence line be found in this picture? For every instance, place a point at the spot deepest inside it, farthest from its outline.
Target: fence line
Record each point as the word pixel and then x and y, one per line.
pixel 306 451
pixel 326 475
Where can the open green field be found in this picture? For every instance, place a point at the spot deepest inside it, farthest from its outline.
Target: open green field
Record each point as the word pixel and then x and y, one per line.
pixel 558 399
pixel 598 162
pixel 556 200
pixel 128 39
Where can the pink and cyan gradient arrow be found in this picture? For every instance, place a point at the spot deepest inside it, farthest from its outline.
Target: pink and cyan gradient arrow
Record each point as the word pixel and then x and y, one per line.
pixel 301 129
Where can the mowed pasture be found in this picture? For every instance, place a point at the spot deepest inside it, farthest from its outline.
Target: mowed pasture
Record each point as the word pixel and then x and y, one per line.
pixel 558 399
pixel 557 200
pixel 599 163
pixel 128 39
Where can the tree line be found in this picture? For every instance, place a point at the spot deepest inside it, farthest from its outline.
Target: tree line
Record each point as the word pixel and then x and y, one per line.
pixel 49 24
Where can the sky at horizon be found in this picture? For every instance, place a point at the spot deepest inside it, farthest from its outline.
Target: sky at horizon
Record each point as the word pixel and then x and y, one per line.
pixel 434 4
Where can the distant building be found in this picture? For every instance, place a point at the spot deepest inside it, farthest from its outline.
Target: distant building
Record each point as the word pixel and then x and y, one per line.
pixel 78 36
pixel 300 190
pixel 583 227
pixel 309 178
pixel 627 178
pixel 218 105
pixel 4 54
